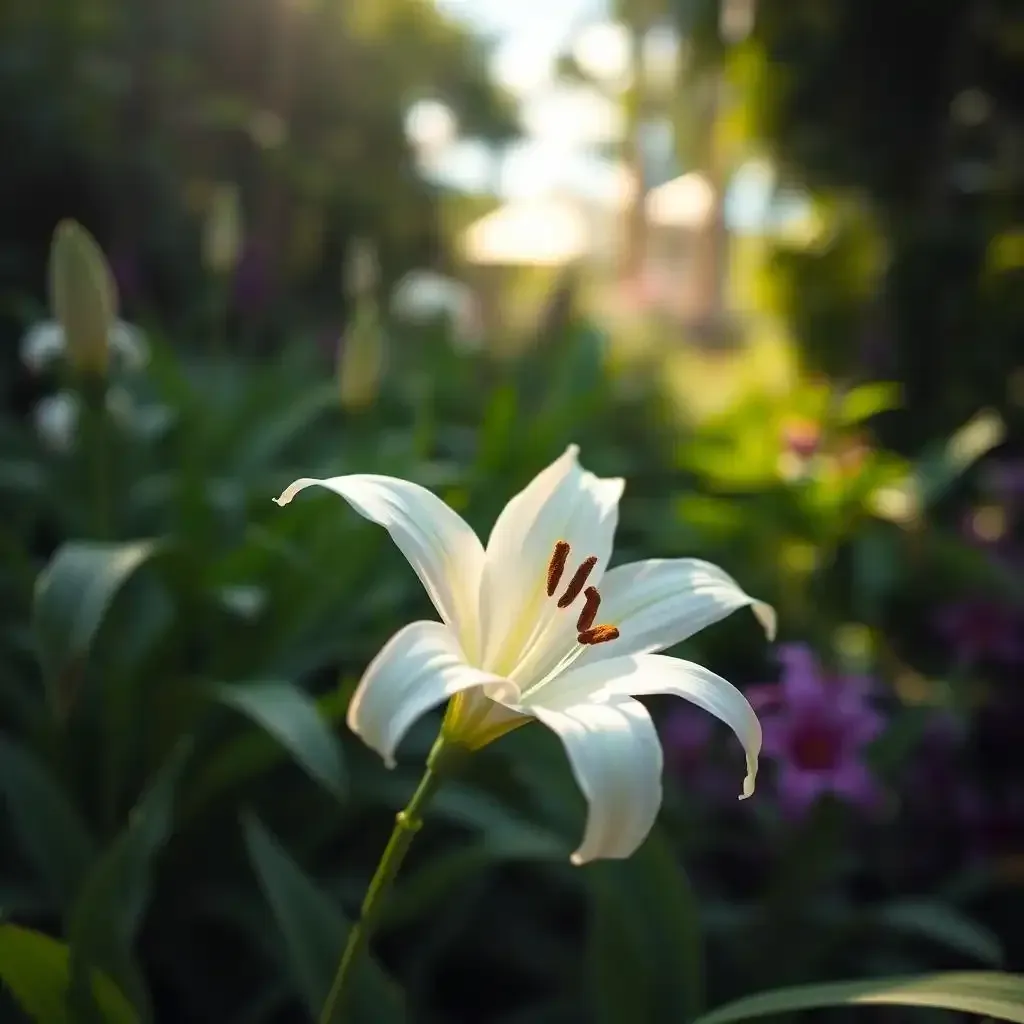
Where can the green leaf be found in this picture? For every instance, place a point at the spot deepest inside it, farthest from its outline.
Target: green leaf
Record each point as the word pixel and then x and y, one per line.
pixel 646 947
pixel 867 400
pixel 73 594
pixel 945 925
pixel 292 718
pixel 984 993
pixel 314 932
pixel 249 755
pixel 273 436
pixel 877 570
pixel 35 968
pixel 50 830
pixel 107 914
pixel 937 470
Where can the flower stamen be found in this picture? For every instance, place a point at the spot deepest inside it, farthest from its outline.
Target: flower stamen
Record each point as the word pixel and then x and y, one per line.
pixel 589 613
pixel 557 566
pixel 598 635
pixel 578 582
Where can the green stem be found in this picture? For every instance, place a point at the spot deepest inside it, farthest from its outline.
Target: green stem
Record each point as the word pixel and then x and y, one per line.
pixel 407 823
pixel 97 442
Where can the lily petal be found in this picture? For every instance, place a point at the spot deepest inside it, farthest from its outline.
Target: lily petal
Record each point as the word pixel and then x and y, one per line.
pixel 441 547
pixel 563 502
pixel 420 667
pixel 616 757
pixel 661 602
pixel 640 674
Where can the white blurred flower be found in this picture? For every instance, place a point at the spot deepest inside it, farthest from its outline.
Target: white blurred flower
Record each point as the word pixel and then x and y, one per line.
pixel 56 417
pixel 44 343
pixel 56 420
pixel 529 635
pixel 423 296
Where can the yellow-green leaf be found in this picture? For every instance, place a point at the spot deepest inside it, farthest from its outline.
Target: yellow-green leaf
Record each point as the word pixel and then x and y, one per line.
pixel 35 969
pixel 984 993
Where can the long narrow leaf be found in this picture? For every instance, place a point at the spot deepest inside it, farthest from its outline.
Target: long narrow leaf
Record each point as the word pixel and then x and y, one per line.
pixel 50 831
pixel 314 932
pixel 35 968
pixel 292 718
pixel 984 993
pixel 106 917
pixel 72 596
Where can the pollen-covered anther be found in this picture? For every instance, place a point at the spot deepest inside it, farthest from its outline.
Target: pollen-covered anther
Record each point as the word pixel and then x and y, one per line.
pixel 557 566
pixel 589 613
pixel 578 582
pixel 598 635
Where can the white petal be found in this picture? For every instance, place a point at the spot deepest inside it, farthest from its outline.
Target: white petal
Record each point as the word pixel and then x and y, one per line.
pixel 41 344
pixel 421 666
pixel 661 602
pixel 616 757
pixel 440 546
pixel 641 674
pixel 520 622
pixel 130 344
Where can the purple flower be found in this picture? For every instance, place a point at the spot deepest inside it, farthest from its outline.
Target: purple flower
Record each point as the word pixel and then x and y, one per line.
pixel 253 278
pixel 816 729
pixel 983 630
pixel 125 266
pixel 1006 481
pixel 686 736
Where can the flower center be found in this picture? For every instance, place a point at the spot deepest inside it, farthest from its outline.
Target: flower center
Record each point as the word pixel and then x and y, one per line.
pixel 815 747
pixel 586 632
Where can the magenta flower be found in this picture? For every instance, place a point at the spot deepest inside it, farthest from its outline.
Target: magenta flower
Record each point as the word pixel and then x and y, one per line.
pixel 816 729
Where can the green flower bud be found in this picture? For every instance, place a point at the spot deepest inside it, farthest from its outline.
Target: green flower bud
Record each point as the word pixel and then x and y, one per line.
pixel 361 359
pixel 83 297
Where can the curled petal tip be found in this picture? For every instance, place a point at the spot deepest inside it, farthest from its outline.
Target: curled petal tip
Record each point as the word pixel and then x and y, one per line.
pixel 765 614
pixel 748 787
pixel 292 489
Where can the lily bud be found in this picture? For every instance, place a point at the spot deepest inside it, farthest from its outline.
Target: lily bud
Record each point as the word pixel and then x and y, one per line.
pixel 361 358
pixel 222 239
pixel 361 270
pixel 83 297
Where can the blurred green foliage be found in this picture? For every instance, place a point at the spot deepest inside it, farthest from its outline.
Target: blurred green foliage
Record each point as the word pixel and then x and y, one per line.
pixel 183 803
pixel 181 807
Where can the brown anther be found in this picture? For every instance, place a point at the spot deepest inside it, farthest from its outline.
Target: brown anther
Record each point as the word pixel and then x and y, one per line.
pixel 589 613
pixel 578 582
pixel 557 566
pixel 598 635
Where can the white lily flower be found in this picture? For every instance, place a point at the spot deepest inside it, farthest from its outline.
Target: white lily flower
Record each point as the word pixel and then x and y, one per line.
pixel 535 628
